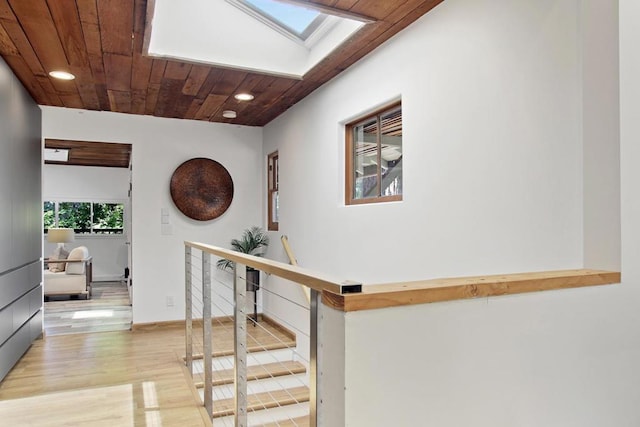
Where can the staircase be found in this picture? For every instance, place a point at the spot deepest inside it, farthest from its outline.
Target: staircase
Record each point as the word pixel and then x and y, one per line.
pixel 278 392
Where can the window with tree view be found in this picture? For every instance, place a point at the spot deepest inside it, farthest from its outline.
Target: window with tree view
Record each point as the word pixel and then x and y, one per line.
pixel 374 157
pixel 85 217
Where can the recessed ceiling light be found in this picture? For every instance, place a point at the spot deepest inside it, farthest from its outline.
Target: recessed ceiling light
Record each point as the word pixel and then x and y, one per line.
pixel 244 97
pixel 62 75
pixel 229 114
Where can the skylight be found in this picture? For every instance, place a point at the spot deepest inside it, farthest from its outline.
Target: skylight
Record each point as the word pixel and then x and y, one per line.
pixel 297 19
pixel 274 37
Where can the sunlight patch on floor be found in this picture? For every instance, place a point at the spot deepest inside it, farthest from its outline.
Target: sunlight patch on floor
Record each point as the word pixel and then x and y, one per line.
pixel 93 314
pixel 150 395
pixel 74 406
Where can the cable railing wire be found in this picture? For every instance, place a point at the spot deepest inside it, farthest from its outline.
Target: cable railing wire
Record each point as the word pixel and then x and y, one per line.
pixel 274 382
pixel 270 292
pixel 285 323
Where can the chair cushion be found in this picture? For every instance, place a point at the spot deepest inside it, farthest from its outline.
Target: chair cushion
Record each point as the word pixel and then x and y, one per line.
pixel 81 252
pixel 58 253
pixel 61 283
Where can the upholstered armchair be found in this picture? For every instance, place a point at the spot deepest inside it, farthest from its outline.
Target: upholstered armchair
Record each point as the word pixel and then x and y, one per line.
pixel 70 276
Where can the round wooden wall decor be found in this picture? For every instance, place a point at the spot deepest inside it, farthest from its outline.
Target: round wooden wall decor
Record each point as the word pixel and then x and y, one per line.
pixel 202 189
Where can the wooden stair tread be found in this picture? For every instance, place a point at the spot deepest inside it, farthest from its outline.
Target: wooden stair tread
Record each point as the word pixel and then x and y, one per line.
pixel 258 372
pixel 250 349
pixel 266 400
pixel 295 422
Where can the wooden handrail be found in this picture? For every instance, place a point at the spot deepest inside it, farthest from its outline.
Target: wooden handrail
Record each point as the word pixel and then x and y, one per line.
pixel 302 276
pixel 294 261
pixel 437 290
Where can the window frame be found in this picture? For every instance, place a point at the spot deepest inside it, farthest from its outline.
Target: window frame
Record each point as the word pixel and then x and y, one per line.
pixel 349 158
pixel 273 184
pixel 92 230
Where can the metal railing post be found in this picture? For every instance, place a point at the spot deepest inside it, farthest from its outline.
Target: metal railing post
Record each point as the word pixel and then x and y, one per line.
pixel 313 358
pixel 240 344
pixel 207 349
pixel 188 310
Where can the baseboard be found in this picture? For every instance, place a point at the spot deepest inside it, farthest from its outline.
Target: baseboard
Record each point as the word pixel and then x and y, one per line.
pixel 158 325
pixel 181 324
pixel 107 278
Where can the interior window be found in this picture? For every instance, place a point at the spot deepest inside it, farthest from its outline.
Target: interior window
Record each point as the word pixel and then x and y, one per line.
pixel 374 157
pixel 273 195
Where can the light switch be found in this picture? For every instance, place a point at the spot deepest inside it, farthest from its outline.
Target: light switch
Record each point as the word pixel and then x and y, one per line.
pixel 164 216
pixel 166 229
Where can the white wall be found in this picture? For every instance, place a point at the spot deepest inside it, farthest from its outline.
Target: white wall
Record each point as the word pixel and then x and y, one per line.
pixel 601 136
pixel 491 96
pixel 80 183
pixel 496 99
pixel 91 184
pixel 159 146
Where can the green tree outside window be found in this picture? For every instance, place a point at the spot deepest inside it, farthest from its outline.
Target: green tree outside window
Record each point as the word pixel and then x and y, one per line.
pixel 49 217
pixel 85 217
pixel 108 217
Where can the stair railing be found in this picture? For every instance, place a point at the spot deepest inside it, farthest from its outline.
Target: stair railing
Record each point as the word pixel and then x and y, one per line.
pixel 219 297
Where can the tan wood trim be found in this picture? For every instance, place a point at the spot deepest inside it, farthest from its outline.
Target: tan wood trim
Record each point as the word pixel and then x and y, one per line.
pixel 181 323
pixel 437 290
pixel 293 261
pixel 348 169
pixel 365 116
pixel 151 326
pixel 197 322
pixel 288 250
pixel 272 187
pixel 383 199
pixel 296 274
pixel 274 324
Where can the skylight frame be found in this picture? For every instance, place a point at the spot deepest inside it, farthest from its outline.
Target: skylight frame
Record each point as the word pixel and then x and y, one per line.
pixel 279 26
pixel 247 44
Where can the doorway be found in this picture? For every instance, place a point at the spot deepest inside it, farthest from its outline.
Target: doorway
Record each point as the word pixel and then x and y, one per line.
pixel 86 189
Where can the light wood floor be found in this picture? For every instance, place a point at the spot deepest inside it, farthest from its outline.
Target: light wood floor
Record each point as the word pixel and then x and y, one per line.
pixel 121 378
pixel 108 309
pixel 102 379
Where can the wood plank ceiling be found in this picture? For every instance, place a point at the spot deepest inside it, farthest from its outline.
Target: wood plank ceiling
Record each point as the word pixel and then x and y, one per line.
pixel 84 153
pixel 101 42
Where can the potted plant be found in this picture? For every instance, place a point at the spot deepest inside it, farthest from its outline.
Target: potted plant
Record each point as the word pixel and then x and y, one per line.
pixel 253 242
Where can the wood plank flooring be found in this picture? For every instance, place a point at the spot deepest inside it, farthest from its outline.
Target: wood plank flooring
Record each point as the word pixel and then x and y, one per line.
pixel 119 378
pixel 109 379
pixel 108 309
